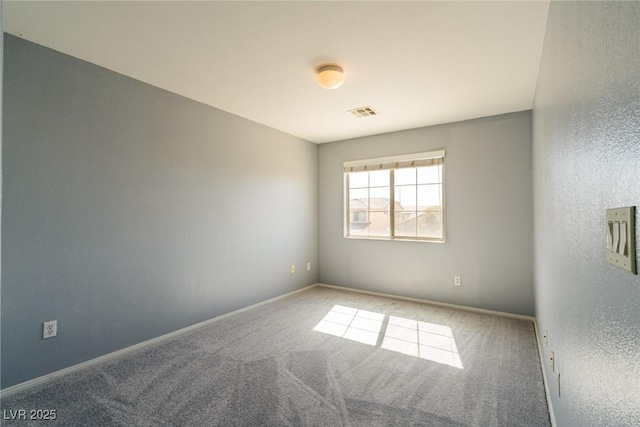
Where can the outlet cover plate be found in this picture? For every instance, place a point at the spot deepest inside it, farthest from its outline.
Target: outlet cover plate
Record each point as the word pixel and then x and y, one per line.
pixel 49 329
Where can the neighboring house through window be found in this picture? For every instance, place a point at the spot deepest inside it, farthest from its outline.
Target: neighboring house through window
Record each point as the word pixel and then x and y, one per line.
pixel 398 197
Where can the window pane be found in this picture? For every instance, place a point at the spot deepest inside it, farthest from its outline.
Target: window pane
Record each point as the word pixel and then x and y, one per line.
pixel 358 221
pixel 405 176
pixel 379 178
pixel 359 216
pixel 430 224
pixel 379 199
pixel 369 212
pixel 359 198
pixel 429 175
pixel 379 211
pixel 406 196
pixel 360 228
pixel 405 224
pixel 380 224
pixel 358 179
pixel 429 196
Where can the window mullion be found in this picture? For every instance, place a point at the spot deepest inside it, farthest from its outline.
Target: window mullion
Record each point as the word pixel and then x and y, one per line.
pixel 347 204
pixel 368 219
pixel 416 208
pixel 392 203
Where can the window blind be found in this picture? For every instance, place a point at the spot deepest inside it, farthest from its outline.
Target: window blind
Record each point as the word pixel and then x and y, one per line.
pixel 429 158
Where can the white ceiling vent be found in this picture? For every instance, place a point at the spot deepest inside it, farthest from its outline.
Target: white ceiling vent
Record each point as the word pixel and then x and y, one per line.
pixel 363 111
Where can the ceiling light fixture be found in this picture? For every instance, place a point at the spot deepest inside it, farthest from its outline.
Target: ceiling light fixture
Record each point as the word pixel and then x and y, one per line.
pixel 330 76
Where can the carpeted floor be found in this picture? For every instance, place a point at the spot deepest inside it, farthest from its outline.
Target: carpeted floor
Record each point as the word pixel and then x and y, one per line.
pixel 322 357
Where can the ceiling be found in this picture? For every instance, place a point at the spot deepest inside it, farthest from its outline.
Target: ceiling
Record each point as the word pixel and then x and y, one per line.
pixel 416 63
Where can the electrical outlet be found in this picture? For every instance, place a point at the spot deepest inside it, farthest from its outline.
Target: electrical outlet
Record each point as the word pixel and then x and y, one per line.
pixel 293 269
pixel 308 266
pixel 456 280
pixel 50 329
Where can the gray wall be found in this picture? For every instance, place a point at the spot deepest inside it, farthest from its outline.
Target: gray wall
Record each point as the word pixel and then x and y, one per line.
pixel 586 132
pixel 488 216
pixel 130 212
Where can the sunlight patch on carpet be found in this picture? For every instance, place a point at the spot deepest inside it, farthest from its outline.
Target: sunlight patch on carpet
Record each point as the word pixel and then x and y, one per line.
pixel 425 340
pixel 353 324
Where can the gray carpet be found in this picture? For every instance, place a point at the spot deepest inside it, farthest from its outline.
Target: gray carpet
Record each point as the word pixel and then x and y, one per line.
pixel 322 357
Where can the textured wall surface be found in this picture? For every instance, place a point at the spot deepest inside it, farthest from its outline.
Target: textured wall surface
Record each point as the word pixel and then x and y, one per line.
pixel 488 218
pixel 586 132
pixel 130 212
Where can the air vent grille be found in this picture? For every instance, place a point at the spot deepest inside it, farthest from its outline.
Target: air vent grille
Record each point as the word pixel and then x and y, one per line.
pixel 363 112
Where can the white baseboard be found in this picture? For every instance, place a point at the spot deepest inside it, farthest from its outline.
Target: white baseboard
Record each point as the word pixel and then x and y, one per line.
pixel 98 360
pixel 544 376
pixel 426 301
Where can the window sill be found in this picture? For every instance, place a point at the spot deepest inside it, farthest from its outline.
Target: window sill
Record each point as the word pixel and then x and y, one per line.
pixel 396 239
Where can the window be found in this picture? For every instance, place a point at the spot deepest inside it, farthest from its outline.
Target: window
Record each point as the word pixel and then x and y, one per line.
pixel 399 197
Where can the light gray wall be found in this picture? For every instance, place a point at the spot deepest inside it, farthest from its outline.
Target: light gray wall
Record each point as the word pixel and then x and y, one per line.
pixel 488 216
pixel 586 132
pixel 130 212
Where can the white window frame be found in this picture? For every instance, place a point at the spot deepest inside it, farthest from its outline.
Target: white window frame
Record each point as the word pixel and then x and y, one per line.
pixel 393 163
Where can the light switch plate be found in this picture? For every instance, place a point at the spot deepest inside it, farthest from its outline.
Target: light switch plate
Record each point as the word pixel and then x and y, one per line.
pixel 621 232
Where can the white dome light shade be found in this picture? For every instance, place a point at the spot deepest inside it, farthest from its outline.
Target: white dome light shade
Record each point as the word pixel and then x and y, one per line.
pixel 330 76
